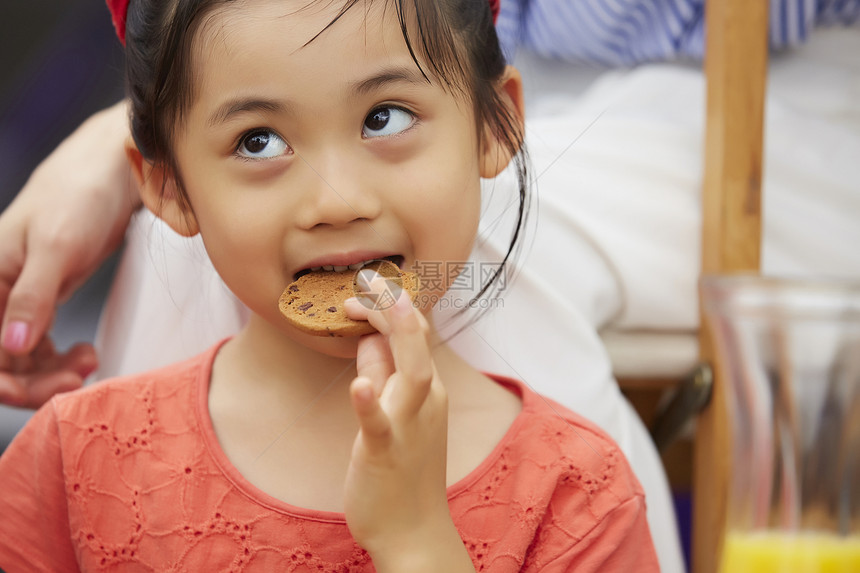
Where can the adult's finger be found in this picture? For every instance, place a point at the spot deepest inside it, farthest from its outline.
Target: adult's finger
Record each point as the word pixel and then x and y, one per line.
pixel 80 359
pixel 31 301
pixel 69 373
pixel 12 392
pixel 42 387
pixel 33 390
pixel 30 381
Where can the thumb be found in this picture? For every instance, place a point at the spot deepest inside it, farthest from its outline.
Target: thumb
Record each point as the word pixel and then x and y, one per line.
pixel 30 304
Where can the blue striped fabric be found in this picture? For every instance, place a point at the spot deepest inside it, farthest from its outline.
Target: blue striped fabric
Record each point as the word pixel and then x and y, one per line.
pixel 629 32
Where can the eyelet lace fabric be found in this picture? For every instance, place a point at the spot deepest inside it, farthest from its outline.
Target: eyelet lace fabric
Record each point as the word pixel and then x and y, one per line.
pixel 124 476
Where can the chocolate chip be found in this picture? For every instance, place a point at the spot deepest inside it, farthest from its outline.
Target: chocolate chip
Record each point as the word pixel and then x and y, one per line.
pixel 306 306
pixel 331 309
pixel 294 288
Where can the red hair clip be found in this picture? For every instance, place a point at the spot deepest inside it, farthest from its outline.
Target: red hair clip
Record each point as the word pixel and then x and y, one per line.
pixel 119 10
pixel 495 6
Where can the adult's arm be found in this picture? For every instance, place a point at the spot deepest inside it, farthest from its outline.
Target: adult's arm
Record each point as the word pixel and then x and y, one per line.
pixel 612 33
pixel 68 218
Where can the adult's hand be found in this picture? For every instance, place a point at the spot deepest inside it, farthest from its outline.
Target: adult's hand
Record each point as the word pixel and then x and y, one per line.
pixel 68 218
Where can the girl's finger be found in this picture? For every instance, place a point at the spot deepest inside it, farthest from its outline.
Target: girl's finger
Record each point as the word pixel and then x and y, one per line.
pixel 376 298
pixel 375 425
pixel 362 308
pixel 374 361
pixel 412 357
pixel 355 309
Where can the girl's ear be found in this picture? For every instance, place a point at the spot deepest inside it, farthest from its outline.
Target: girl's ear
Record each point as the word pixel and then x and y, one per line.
pixel 159 193
pixel 495 155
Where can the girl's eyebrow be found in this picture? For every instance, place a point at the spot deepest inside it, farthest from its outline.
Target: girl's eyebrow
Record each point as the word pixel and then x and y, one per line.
pixel 246 104
pixel 386 77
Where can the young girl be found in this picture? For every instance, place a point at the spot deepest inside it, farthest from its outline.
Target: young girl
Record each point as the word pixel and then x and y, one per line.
pixel 293 135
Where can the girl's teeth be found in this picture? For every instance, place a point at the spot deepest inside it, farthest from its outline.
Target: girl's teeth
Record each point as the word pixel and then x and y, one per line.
pixel 339 268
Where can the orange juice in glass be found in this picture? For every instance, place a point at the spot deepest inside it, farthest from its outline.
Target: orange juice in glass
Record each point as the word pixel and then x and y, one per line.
pixel 790 354
pixel 786 553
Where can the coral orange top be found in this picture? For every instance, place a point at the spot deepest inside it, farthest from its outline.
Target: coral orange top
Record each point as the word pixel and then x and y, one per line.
pixel 128 475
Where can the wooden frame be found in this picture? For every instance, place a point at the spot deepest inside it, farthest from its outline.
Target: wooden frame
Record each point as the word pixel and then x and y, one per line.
pixel 736 58
pixel 736 71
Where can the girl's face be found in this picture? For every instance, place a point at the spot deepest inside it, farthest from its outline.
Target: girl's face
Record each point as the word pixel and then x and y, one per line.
pixel 299 153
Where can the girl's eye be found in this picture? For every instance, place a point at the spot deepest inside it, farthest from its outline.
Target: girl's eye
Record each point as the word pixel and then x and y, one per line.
pixel 262 144
pixel 387 121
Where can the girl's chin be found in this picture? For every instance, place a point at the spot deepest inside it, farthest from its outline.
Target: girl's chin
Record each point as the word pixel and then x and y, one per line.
pixel 336 347
pixel 275 332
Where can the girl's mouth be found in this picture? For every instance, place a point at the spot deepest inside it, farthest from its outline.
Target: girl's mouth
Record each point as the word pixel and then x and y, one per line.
pixel 396 259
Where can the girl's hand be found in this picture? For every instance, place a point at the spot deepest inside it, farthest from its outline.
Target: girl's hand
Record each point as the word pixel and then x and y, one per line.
pixel 395 500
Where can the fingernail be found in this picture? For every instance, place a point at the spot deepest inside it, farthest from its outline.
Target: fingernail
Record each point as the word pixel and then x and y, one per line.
pixel 16 336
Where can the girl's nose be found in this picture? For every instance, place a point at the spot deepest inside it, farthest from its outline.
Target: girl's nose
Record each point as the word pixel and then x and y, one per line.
pixel 337 195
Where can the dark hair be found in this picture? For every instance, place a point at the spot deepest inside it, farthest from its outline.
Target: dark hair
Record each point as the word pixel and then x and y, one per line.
pixel 456 39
